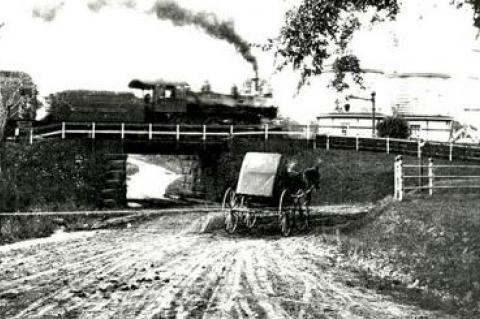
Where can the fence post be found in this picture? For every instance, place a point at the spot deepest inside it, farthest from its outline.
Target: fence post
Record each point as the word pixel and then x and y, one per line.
pixel 123 131
pixel 450 157
pixel 31 135
pixel 63 130
pixel 266 131
pixel 357 144
pixel 93 130
pixel 398 178
pixel 178 132
pixel 388 144
pixel 327 145
pixel 419 149
pixel 204 135
pixel 150 131
pixel 430 176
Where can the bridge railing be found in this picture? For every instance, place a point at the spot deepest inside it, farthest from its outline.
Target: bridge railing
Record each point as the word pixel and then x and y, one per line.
pixel 152 131
pixel 214 132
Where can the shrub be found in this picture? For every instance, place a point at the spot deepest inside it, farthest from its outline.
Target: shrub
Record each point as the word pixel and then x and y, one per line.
pixel 393 126
pixel 46 176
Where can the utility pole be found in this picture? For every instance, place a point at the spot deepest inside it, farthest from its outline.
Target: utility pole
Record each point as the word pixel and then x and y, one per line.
pixel 371 99
pixel 373 94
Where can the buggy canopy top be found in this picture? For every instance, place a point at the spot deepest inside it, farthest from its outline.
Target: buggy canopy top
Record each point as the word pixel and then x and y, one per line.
pixel 258 174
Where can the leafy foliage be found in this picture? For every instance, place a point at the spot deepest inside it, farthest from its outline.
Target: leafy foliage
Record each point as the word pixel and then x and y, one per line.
pixel 319 31
pixel 393 126
pixel 46 175
pixel 13 100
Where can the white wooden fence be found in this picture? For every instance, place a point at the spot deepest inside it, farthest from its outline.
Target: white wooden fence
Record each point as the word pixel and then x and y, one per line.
pixel 150 131
pixel 420 177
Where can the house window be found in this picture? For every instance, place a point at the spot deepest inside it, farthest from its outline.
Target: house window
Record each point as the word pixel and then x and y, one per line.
pixel 415 130
pixel 344 128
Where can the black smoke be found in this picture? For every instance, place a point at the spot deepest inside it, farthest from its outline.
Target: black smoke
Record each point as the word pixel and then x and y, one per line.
pixel 47 14
pixel 208 22
pixel 97 5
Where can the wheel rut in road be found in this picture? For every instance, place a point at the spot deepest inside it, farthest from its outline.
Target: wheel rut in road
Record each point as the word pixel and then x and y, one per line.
pixel 164 268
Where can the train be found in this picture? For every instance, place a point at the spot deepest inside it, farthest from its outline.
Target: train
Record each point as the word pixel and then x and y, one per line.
pixel 167 102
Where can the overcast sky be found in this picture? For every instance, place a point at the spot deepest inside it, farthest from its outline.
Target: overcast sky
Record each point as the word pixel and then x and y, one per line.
pixel 67 44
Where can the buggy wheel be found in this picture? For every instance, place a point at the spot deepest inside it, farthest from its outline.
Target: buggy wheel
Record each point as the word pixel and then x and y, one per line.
pixel 228 207
pixel 284 213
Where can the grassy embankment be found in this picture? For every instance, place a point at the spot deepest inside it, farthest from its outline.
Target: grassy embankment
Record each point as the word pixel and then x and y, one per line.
pixel 423 250
pixel 346 176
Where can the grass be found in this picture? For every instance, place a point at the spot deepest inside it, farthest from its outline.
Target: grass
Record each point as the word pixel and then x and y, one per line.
pixel 429 248
pixel 346 176
pixel 15 228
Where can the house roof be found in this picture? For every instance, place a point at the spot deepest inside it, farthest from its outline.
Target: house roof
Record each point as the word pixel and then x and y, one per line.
pixel 368 115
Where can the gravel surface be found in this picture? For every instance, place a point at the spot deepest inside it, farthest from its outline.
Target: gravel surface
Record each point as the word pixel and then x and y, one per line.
pixel 167 268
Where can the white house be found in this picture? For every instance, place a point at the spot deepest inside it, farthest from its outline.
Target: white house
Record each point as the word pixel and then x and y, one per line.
pixel 425 100
pixel 427 127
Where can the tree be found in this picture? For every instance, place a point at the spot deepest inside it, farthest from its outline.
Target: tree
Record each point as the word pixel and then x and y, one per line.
pixel 17 98
pixel 318 31
pixel 393 126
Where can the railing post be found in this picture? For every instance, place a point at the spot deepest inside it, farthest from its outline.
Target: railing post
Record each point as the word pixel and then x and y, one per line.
pixel 123 131
pixel 204 135
pixel 419 149
pixel 63 130
pixel 150 133
pixel 450 156
pixel 357 143
pixel 430 176
pixel 178 133
pixel 266 131
pixel 31 135
pixel 327 145
pixel 388 144
pixel 231 130
pixel 93 130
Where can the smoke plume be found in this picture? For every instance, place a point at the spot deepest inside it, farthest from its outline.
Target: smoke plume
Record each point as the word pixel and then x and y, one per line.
pixel 47 14
pixel 97 5
pixel 208 22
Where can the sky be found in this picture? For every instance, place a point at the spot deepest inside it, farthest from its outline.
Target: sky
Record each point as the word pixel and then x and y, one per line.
pixel 103 44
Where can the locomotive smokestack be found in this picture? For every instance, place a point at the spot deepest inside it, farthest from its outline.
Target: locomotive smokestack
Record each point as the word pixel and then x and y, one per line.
pixel 208 22
pixel 256 82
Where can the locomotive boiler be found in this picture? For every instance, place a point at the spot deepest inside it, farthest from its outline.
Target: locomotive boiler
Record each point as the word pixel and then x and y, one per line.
pixel 162 102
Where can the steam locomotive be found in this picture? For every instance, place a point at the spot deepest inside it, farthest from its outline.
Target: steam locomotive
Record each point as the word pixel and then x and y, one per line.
pixel 163 102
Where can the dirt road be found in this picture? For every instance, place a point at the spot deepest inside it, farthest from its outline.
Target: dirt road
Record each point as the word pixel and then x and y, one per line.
pixel 165 268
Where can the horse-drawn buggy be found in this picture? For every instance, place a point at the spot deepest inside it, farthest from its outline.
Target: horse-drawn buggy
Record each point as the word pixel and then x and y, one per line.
pixel 269 189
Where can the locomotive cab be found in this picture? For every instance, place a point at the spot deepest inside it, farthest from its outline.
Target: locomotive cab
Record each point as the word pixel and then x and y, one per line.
pixel 163 96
